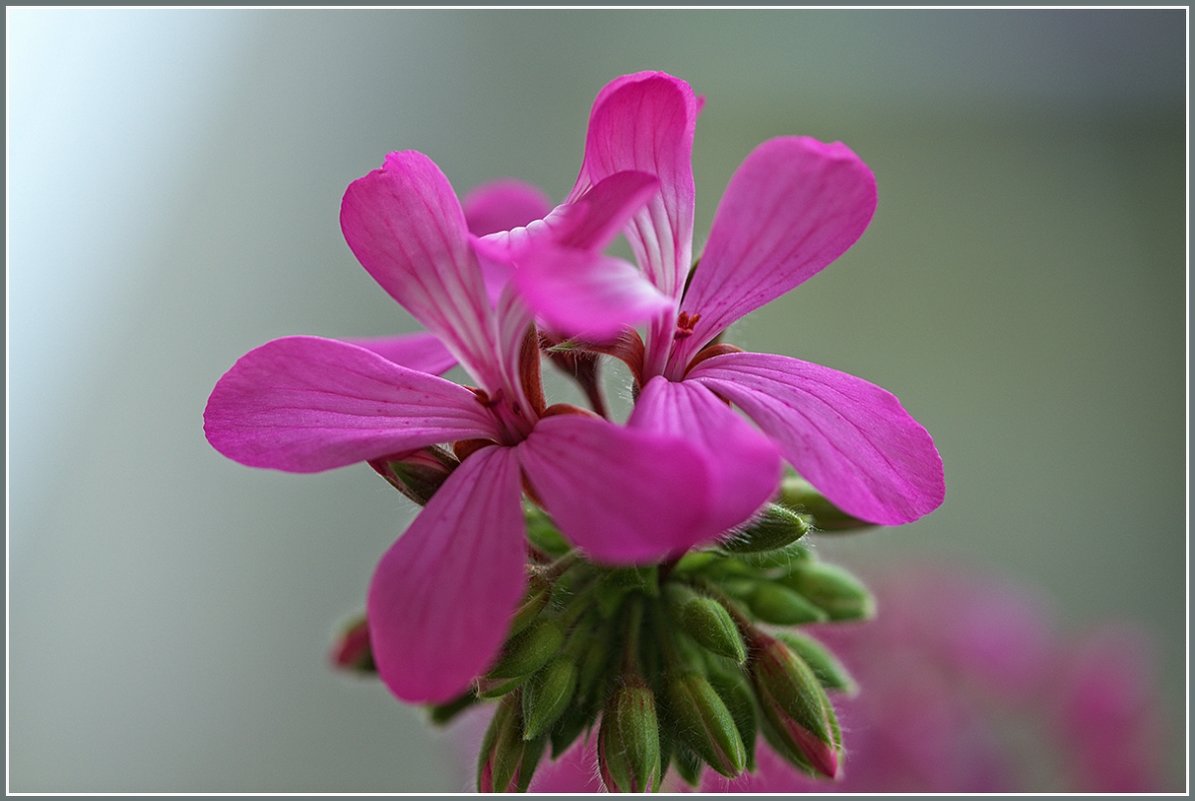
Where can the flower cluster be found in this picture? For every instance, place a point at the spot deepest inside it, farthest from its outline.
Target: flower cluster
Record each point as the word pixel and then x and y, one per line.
pixel 504 281
pixel 975 692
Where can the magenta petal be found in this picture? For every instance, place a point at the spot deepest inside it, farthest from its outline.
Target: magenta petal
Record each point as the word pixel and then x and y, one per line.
pixel 622 496
pixel 586 221
pixel 584 294
pixel 442 597
pixel 597 215
pixel 405 226
pixel 502 205
pixel 851 439
pixel 746 463
pixel 304 404
pixel 792 207
pixel 645 122
pixel 419 351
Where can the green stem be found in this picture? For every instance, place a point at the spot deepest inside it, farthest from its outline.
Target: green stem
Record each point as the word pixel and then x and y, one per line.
pixel 634 626
pixel 557 569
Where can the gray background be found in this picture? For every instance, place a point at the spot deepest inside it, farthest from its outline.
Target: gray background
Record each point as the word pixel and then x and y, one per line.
pixel 174 181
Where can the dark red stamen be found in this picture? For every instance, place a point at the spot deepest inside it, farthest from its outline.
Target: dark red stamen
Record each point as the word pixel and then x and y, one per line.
pixel 685 324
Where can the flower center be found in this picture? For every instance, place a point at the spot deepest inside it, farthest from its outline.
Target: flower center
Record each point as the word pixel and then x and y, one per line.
pixel 515 424
pixel 685 324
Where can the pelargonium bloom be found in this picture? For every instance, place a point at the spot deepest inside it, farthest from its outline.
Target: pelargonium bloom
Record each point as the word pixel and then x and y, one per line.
pixel 793 207
pixel 442 595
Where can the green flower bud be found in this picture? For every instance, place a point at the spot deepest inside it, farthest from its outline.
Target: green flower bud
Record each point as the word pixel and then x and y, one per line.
pixel 799 720
pixel 706 621
pixel 775 528
pixel 695 561
pixel 575 720
pixel 417 474
pixel 542 532
pixel 628 743
pixel 487 688
pixel 546 696
pixel 529 650
pixel 539 592
pixel 592 666
pixel 775 603
pixel 734 689
pixel 704 724
pixel 442 714
pixel 501 748
pixel 800 495
pixel 784 557
pixel 834 590
pixel 688 764
pixel 829 671
pixel 352 650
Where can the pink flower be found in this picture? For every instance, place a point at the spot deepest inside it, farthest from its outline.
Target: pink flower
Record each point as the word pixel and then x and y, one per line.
pixel 443 594
pixel 793 207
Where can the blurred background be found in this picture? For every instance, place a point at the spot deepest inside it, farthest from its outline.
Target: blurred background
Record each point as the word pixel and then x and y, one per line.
pixel 173 190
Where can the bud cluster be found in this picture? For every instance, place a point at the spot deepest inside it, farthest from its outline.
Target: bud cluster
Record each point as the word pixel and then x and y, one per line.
pixel 668 663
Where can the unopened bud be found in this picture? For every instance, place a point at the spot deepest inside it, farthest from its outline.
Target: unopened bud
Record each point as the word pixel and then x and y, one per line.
pixel 794 706
pixel 507 762
pixel 800 495
pixel 784 557
pixel 704 724
pixel 706 621
pixel 829 671
pixel 629 740
pixel 777 604
pixel 539 592
pixel 547 695
pixel 695 561
pixel 734 688
pixel 501 748
pixel 417 474
pixel 834 590
pixel 542 532
pixel 442 714
pixel 688 764
pixel 352 650
pixel 591 670
pixel 776 527
pixel 489 688
pixel 529 650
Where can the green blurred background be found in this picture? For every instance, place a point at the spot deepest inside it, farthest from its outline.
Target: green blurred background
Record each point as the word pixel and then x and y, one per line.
pixel 174 182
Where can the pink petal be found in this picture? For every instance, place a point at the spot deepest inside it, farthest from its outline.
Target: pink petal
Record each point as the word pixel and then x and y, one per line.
pixel 304 404
pixel 851 439
pixel 580 293
pixel 622 496
pixel 597 215
pixel 442 597
pixel 793 206
pixel 645 122
pixel 502 205
pixel 588 220
pixel 419 351
pixel 405 226
pixel 746 463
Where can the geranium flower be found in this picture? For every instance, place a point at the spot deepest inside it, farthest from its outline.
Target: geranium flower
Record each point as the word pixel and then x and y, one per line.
pixel 793 207
pixel 442 595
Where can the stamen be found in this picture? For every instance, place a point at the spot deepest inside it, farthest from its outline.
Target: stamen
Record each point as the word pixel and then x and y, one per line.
pixel 685 324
